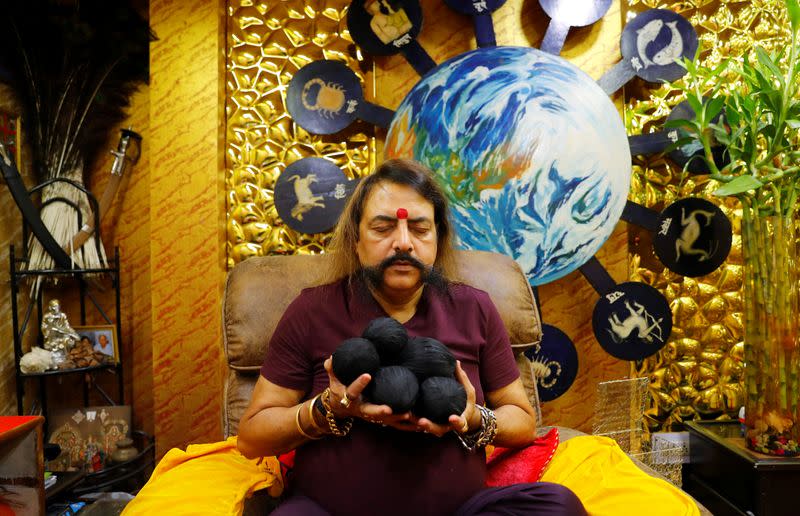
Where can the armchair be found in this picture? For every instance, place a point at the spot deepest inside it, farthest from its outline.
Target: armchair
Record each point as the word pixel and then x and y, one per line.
pixel 258 291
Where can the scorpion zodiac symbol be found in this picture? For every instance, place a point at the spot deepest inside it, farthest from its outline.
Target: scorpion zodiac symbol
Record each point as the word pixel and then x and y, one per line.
pixel 691 231
pixel 306 200
pixel 329 97
pixel 645 324
pixel 546 372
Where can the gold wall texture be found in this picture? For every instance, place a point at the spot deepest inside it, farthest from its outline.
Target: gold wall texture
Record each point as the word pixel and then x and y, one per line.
pixel 699 374
pixel 269 41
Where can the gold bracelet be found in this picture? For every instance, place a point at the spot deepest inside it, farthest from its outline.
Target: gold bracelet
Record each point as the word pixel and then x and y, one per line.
pixel 300 428
pixel 347 423
pixel 311 413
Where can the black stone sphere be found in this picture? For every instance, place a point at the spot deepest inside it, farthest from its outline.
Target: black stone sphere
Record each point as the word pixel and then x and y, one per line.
pixel 439 397
pixel 353 358
pixel 395 386
pixel 427 357
pixel 389 337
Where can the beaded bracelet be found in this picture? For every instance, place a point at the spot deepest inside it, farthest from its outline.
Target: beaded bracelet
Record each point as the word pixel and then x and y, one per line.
pixel 300 428
pixel 485 434
pixel 347 423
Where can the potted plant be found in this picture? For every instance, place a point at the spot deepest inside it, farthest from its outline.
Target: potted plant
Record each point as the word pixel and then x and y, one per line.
pixel 749 108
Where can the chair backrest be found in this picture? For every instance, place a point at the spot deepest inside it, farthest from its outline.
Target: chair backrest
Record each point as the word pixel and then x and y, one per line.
pixel 258 291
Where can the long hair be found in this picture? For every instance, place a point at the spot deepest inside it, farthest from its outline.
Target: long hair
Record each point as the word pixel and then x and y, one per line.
pixel 344 260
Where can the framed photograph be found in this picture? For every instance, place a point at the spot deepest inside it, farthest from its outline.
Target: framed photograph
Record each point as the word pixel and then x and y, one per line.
pixel 102 338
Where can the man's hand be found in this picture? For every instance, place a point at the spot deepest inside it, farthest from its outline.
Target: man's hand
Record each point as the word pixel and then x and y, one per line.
pixel 459 424
pixel 358 407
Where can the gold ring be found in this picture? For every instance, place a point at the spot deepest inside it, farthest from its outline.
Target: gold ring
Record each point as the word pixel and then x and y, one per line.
pixel 345 401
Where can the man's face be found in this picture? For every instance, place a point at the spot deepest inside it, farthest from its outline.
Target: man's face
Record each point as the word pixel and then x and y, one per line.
pixel 102 339
pixel 382 234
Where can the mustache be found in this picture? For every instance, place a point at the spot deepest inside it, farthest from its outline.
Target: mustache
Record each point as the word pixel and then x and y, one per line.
pixel 431 275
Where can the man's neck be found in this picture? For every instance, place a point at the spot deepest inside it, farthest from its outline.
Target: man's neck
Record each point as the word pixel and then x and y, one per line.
pixel 398 305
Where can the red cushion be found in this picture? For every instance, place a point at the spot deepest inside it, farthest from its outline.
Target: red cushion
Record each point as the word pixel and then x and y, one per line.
pixel 506 466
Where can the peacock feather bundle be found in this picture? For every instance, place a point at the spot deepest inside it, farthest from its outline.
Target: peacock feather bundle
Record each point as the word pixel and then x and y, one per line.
pixel 73 66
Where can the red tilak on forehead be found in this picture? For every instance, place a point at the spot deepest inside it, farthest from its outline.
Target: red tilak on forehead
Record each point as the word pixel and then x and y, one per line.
pixel 402 213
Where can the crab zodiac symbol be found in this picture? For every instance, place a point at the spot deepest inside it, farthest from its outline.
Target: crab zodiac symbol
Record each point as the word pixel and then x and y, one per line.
pixel 306 200
pixel 329 97
pixel 638 320
pixel 691 231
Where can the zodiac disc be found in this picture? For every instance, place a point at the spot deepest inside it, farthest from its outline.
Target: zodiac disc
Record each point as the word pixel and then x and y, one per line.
pixel 632 321
pixel 694 237
pixel 324 96
pixel 383 27
pixel 654 41
pixel 310 195
pixel 554 361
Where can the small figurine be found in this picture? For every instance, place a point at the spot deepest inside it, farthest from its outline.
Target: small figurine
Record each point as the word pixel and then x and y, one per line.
pixel 59 337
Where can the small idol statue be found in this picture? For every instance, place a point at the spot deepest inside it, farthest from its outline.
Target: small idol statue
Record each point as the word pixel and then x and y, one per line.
pixel 59 337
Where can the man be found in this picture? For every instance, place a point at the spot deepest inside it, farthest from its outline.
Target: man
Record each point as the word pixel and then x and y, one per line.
pixel 103 345
pixel 392 256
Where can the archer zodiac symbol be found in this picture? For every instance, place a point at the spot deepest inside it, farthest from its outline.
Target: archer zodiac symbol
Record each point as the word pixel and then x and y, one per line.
pixel 691 232
pixel 329 97
pixel 667 55
pixel 306 200
pixel 547 373
pixel 640 320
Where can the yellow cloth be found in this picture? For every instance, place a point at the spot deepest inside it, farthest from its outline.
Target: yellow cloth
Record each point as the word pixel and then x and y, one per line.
pixel 217 481
pixel 609 483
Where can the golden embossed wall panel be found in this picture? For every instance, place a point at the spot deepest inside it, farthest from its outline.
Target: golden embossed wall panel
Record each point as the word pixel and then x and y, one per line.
pixel 699 373
pixel 267 43
pixel 187 263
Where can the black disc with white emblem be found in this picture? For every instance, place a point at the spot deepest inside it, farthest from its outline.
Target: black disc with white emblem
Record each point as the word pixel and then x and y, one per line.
pixel 384 27
pixel 632 321
pixel 324 97
pixel 554 361
pixel 654 41
pixel 693 237
pixel 311 193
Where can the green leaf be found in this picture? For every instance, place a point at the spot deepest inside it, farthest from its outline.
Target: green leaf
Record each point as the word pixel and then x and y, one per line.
pixel 794 14
pixel 767 62
pixel 794 124
pixel 713 108
pixel 738 185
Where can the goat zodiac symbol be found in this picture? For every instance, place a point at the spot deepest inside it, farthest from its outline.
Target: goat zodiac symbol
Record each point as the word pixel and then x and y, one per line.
pixel 647 326
pixel 306 200
pixel 691 232
pixel 329 98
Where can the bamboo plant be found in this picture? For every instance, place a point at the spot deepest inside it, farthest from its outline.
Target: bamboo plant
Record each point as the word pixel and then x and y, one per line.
pixel 750 107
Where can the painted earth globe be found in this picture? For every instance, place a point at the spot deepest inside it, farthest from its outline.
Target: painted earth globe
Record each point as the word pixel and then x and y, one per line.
pixel 531 152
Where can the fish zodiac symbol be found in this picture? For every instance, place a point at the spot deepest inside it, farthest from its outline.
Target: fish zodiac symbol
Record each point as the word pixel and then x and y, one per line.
pixel 645 324
pixel 691 232
pixel 306 200
pixel 668 54
pixel 329 98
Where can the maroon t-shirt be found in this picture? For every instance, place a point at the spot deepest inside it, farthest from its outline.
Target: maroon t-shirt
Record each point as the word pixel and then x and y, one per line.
pixel 374 469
